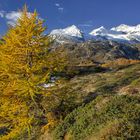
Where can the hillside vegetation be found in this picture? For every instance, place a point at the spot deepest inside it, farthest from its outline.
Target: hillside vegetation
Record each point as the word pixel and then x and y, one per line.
pixel 108 106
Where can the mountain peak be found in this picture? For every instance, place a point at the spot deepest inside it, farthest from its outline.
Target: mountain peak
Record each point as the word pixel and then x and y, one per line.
pixel 74 27
pixel 69 31
pixel 99 31
pixel 127 29
pixel 123 28
pixel 73 31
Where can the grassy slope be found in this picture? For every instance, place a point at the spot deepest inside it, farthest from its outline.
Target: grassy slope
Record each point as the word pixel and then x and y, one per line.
pixel 106 106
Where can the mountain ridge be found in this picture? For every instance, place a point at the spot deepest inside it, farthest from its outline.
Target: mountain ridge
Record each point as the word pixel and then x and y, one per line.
pixel 121 33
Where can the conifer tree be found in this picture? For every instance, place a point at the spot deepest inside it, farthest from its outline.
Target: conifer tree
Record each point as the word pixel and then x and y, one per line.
pixel 25 63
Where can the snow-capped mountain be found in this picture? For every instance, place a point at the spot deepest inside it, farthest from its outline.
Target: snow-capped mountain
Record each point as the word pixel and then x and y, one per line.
pixel 123 33
pixel 71 33
pixel 99 31
pixel 126 29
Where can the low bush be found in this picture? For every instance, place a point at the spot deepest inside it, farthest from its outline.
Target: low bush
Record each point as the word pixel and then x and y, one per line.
pixel 120 63
pixel 118 118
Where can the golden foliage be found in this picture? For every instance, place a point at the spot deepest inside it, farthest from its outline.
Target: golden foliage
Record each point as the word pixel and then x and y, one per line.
pixel 120 63
pixel 25 63
pixel 52 121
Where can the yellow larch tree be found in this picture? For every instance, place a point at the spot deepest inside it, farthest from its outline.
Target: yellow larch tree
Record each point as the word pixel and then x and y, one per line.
pixel 25 63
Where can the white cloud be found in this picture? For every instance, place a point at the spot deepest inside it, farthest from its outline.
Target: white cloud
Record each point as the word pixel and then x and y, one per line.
pixel 61 9
pixel 2 13
pixel 57 4
pixel 12 17
pixel 88 23
pixel 85 25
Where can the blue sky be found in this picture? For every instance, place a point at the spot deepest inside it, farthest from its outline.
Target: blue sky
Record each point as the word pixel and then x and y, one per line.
pixel 86 14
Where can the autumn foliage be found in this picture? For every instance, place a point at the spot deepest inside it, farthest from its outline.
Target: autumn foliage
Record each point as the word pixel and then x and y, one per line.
pixel 121 62
pixel 25 63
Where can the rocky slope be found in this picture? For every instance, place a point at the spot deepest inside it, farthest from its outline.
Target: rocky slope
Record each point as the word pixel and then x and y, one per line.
pixel 101 51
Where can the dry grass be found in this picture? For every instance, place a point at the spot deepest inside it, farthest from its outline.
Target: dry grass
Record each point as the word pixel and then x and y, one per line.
pixel 121 62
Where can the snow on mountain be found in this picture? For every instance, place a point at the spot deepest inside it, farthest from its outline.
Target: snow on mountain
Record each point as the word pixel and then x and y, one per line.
pixel 122 32
pixel 99 31
pixel 70 33
pixel 104 34
pixel 126 29
pixel 73 31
